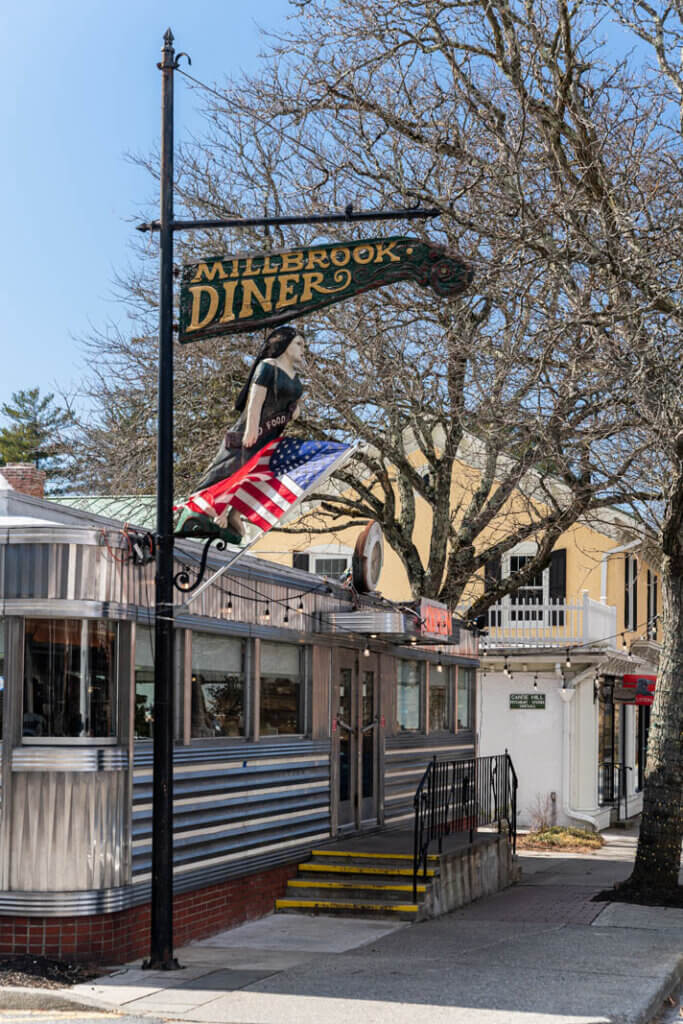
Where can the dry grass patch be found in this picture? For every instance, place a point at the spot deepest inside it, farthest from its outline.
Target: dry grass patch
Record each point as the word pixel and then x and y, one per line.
pixel 557 837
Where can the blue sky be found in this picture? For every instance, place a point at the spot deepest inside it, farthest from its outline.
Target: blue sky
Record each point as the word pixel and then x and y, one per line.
pixel 79 89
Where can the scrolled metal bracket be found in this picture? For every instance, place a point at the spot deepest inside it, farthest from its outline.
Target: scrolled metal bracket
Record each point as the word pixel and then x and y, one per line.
pixel 182 579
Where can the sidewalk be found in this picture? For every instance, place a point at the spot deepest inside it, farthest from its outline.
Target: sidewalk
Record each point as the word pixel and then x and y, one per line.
pixel 538 953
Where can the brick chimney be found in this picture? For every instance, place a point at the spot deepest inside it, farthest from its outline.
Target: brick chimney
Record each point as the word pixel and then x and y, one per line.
pixel 25 477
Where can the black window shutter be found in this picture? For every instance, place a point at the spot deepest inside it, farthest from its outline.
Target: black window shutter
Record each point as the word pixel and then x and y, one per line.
pixel 492 574
pixel 557 583
pixel 634 612
pixel 627 591
pixel 300 560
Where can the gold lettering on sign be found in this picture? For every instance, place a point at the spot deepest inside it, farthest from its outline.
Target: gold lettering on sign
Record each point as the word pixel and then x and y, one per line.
pixel 363 254
pixel 340 257
pixel 287 296
pixel 385 249
pixel 317 258
pixel 292 261
pixel 228 309
pixel 200 289
pixel 251 290
pixel 267 268
pixel 204 271
pixel 314 283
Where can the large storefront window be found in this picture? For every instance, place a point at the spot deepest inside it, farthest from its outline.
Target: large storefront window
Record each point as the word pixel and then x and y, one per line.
pixel 439 719
pixel 465 698
pixel 282 689
pixel 409 694
pixel 144 682
pixel 70 678
pixel 217 686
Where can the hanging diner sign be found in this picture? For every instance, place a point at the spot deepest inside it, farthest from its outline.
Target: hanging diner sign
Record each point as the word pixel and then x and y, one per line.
pixel 245 293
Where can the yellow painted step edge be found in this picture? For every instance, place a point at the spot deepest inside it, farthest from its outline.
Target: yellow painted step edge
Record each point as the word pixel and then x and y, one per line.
pixel 395 908
pixel 377 856
pixel 351 869
pixel 306 883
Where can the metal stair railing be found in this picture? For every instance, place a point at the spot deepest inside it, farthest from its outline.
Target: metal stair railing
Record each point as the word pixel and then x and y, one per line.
pixel 461 796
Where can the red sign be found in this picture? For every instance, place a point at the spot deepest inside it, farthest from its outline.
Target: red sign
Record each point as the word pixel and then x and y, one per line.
pixel 436 619
pixel 642 689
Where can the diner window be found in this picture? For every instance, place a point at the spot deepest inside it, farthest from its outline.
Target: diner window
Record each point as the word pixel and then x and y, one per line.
pixel 409 695
pixel 465 698
pixel 144 682
pixel 282 689
pixel 218 686
pixel 70 679
pixel 439 719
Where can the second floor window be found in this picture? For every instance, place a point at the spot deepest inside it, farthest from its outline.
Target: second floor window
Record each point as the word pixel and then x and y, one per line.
pixel 630 593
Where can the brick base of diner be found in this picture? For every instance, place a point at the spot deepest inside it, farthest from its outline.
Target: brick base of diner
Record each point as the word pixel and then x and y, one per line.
pixel 123 936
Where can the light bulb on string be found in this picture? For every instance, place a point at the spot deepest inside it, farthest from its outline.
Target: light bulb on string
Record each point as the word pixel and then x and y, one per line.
pixel 624 645
pixel 439 664
pixel 301 605
pixel 228 607
pixel 285 617
pixel 265 616
pixel 568 660
pixel 366 652
pixel 535 680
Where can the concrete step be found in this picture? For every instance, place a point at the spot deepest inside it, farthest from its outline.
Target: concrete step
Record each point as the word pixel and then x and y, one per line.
pixel 303 888
pixel 403 911
pixel 360 872
pixel 392 860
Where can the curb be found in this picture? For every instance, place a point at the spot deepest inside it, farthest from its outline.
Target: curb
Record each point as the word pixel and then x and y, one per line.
pixel 15 998
pixel 667 987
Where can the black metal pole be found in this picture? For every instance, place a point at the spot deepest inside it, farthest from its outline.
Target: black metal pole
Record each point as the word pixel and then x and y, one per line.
pixel 161 949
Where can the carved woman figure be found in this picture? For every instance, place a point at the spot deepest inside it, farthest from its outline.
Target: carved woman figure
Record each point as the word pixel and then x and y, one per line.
pixel 266 404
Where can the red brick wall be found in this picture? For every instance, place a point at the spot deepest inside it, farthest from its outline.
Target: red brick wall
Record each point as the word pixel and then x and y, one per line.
pixel 25 477
pixel 117 938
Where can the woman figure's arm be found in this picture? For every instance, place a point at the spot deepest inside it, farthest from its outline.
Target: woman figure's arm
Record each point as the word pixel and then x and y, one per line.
pixel 257 396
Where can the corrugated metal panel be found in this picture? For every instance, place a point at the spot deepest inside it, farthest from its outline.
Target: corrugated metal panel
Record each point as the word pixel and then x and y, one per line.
pixel 74 836
pixel 405 759
pixel 235 805
pixel 69 759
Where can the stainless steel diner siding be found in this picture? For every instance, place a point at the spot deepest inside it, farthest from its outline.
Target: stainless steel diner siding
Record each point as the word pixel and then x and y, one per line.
pixel 236 809
pixel 85 565
pixel 405 758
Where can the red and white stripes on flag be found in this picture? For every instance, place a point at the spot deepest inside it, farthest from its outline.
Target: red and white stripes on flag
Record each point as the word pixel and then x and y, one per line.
pixel 255 491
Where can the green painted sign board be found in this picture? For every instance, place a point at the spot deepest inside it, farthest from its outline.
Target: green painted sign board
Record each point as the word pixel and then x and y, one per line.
pixel 527 702
pixel 232 295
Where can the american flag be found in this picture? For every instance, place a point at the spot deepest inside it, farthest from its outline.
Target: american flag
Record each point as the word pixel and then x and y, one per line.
pixel 271 481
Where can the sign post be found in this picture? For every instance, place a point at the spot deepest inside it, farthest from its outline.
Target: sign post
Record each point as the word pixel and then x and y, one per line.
pixel 221 308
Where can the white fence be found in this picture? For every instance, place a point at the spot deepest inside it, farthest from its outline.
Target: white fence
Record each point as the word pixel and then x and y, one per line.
pixel 555 624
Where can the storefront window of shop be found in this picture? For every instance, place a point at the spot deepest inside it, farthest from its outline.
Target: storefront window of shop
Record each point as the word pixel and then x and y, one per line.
pixel 70 677
pixel 282 689
pixel 642 730
pixel 465 699
pixel 218 686
pixel 439 702
pixel 144 682
pixel 409 695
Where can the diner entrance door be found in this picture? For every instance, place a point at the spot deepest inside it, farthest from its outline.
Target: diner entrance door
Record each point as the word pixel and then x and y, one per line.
pixel 355 725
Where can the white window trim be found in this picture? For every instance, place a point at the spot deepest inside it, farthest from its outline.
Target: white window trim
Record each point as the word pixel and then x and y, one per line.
pixel 524 548
pixel 336 550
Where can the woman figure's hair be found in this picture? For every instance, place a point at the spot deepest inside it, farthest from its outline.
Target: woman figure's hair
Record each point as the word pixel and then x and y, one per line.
pixel 276 343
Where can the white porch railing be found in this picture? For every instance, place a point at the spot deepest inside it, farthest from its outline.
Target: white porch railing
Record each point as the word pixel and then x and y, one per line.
pixel 555 624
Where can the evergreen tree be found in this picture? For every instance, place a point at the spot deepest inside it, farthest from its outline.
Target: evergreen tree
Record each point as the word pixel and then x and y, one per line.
pixel 35 432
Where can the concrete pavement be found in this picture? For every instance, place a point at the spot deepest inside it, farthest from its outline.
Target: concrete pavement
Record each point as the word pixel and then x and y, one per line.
pixel 540 952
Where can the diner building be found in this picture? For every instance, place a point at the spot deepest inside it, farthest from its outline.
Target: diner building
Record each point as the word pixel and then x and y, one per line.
pixel 303 712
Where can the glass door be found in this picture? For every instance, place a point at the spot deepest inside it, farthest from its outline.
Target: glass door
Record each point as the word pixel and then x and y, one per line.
pixel 356 727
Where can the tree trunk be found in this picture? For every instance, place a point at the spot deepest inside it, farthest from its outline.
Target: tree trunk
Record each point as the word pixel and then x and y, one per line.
pixel 659 843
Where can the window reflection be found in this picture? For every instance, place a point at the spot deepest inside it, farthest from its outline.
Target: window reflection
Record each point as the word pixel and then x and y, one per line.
pixel 438 704
pixel 281 689
pixel 410 674
pixel 217 686
pixel 69 678
pixel 465 698
pixel 144 682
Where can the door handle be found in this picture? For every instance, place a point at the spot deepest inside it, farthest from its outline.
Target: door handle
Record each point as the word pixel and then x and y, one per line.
pixel 373 725
pixel 343 724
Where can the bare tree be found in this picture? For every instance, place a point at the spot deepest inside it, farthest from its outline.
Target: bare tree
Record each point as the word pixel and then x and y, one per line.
pixel 558 174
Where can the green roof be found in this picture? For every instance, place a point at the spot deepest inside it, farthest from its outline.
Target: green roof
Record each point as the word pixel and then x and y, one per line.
pixel 136 509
